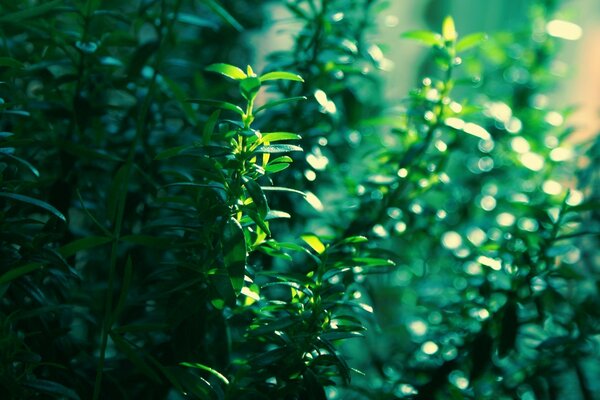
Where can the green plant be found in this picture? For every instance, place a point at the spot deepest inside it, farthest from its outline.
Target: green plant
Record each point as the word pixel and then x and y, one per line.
pixel 166 233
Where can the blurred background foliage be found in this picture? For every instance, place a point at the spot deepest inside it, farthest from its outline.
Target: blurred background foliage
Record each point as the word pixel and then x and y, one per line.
pixel 436 237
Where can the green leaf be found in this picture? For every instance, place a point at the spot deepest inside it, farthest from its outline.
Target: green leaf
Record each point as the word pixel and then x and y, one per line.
pixel 354 239
pixel 208 369
pixel 279 136
pixel 282 189
pixel 426 37
pixel 51 388
pixel 90 216
pixel 219 104
pixel 234 253
pixel 281 75
pixel 165 154
pixel 228 70
pixel 127 276
pixel 26 163
pixel 258 220
pixel 249 87
pixel 448 29
pixel 209 127
pixel 15 273
pixel 224 14
pixel 274 167
pixel 181 97
pixel 471 40
pixel 276 214
pixel 34 202
pixel 258 197
pixel 31 12
pixel 118 188
pixel 195 20
pixel 10 62
pixel 276 103
pixel 223 291
pixel 278 148
pixel 83 244
pixel 314 242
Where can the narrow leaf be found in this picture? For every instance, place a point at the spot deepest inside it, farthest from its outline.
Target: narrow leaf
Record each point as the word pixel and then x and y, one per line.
pixel 132 354
pixel 117 190
pixel 279 136
pixel 208 369
pixel 219 104
pixel 127 276
pixel 276 103
pixel 31 12
pixel 228 70
pixel 26 163
pixel 281 75
pixel 258 197
pixel 224 14
pixel 278 148
pixel 282 189
pixel 51 388
pixel 448 29
pixel 83 244
pixel 181 97
pixel 195 20
pixel 314 242
pixel 426 37
pixel 234 249
pixel 165 154
pixel 209 127
pixel 15 273
pixel 34 202
pixel 471 40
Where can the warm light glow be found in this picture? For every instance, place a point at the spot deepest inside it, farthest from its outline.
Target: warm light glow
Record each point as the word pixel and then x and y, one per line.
pixel 564 29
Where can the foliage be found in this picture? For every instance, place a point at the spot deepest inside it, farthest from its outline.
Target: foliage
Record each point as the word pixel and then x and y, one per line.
pixel 175 226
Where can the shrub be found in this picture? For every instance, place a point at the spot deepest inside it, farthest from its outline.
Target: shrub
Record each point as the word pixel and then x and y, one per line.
pixel 177 225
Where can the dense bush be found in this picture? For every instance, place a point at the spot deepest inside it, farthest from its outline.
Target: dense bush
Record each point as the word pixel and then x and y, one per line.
pixel 174 224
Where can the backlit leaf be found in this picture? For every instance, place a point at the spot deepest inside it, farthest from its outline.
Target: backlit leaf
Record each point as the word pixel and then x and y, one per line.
pixel 228 70
pixel 314 242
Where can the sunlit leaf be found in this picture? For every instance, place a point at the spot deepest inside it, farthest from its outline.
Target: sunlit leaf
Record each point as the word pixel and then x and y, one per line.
pixel 314 242
pixel 281 75
pixel 228 70
pixel 426 37
pixel 469 41
pixel 448 29
pixel 278 136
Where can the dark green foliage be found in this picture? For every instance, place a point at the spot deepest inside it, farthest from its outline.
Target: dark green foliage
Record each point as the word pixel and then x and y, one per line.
pixel 162 234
